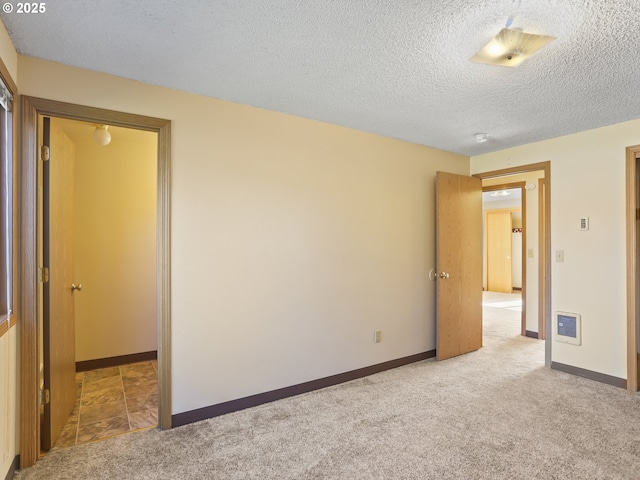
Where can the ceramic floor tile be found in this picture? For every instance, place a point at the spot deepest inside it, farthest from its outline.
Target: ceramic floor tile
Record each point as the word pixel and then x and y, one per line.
pixel 103 429
pixel 141 389
pixel 68 435
pixel 146 380
pixel 102 396
pixel 101 411
pixel 102 373
pixel 143 402
pixel 137 369
pixel 143 419
pixel 91 386
pixel 74 415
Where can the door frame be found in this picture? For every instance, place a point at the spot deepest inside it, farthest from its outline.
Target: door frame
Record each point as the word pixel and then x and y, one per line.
pixel 632 185
pixel 31 108
pixel 544 263
pixel 523 211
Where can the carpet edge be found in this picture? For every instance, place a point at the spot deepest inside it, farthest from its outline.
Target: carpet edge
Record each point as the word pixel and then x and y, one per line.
pixel 211 411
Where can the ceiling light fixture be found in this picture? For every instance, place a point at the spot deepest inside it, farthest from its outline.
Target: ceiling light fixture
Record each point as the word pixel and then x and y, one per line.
pixel 101 136
pixel 481 137
pixel 510 47
pixel 500 193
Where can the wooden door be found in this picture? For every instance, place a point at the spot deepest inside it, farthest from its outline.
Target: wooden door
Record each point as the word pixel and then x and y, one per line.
pixel 459 264
pixel 58 315
pixel 499 271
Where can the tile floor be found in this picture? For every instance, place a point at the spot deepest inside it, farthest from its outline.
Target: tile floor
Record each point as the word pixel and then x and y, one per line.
pixel 112 401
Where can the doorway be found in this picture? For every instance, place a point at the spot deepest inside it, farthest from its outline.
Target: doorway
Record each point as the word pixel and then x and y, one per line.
pixel 633 266
pixel 504 176
pixel 110 191
pixel 29 341
pixel 504 262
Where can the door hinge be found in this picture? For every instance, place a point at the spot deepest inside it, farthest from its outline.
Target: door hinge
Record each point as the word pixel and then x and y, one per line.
pixel 44 153
pixel 43 274
pixel 45 396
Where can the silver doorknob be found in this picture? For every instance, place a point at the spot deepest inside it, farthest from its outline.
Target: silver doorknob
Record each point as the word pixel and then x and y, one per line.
pixel 76 287
pixel 444 275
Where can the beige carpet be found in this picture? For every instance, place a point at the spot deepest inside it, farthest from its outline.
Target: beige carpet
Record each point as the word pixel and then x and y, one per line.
pixel 492 414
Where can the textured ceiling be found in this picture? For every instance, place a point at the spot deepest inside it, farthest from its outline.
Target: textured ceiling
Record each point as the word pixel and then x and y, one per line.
pixel 396 68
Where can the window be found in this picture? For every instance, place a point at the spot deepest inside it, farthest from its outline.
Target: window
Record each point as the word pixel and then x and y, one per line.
pixel 6 202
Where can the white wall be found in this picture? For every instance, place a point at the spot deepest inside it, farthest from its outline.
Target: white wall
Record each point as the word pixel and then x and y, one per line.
pixel 292 240
pixel 587 179
pixel 115 244
pixel 8 343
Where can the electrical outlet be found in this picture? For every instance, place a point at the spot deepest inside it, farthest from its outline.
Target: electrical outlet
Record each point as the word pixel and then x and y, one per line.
pixel 377 336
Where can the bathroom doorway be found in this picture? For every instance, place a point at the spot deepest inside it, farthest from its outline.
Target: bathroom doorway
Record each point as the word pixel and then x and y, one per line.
pixel 102 185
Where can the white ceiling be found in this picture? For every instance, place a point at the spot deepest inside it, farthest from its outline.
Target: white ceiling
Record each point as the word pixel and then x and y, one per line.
pixel 396 68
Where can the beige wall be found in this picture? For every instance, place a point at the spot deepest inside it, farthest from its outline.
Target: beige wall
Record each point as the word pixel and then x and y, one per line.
pixel 292 240
pixel 587 180
pixel 114 244
pixel 8 53
pixel 8 343
pixel 8 410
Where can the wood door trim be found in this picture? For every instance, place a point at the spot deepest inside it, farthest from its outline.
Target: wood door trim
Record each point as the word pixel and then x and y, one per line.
pixel 31 107
pixel 29 371
pixel 503 186
pixel 506 172
pixel 632 268
pixel 546 168
pixel 542 273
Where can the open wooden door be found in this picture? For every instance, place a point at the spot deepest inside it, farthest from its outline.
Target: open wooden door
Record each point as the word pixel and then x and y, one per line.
pixel 58 315
pixel 498 234
pixel 459 264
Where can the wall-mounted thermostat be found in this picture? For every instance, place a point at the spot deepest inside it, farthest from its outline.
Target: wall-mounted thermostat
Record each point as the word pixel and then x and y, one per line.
pixel 568 328
pixel 584 223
